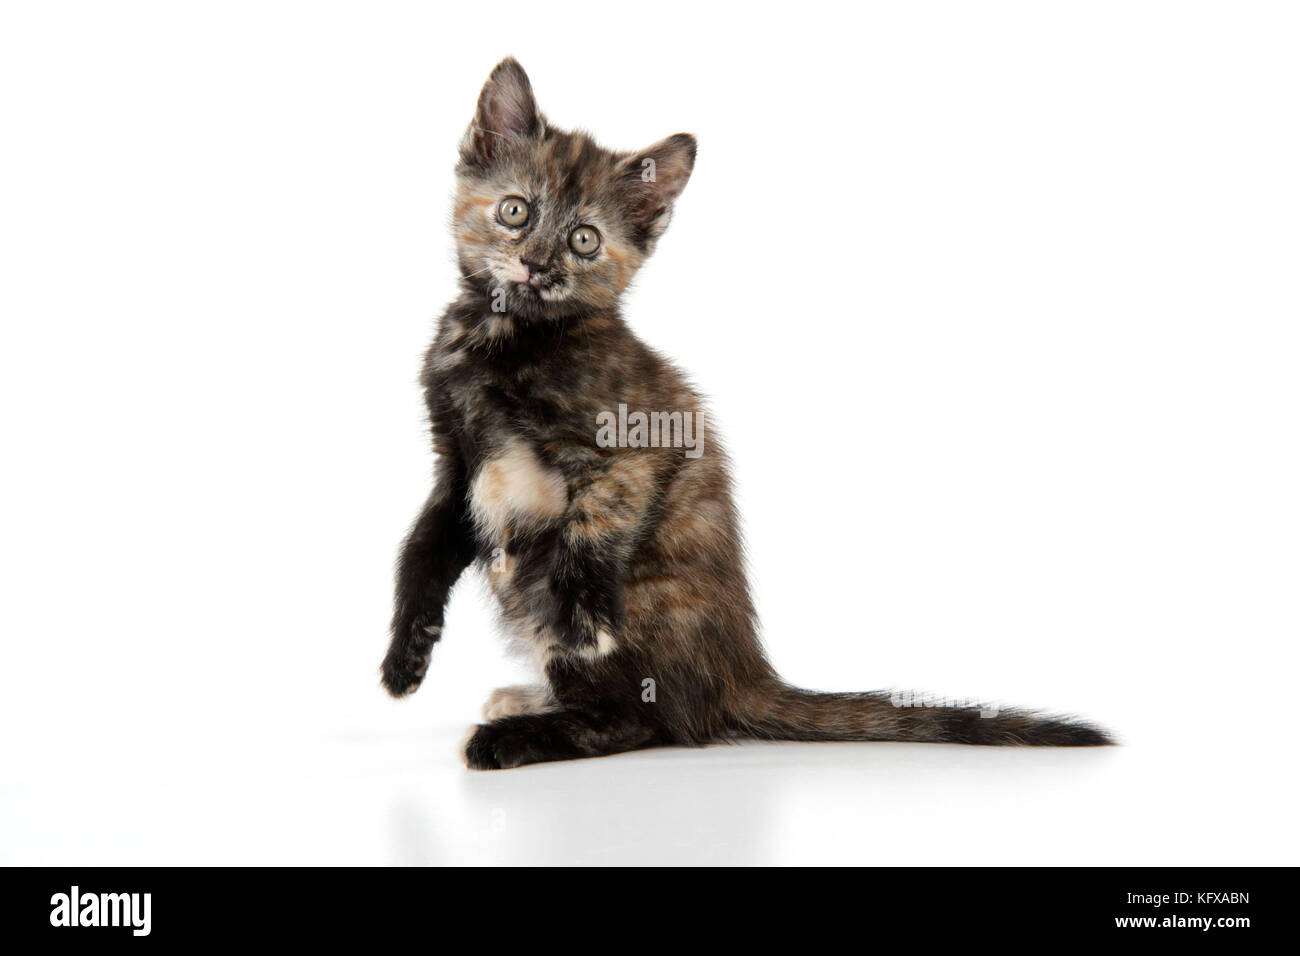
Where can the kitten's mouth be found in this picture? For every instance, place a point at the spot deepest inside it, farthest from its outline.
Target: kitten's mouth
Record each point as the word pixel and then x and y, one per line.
pixel 527 290
pixel 538 286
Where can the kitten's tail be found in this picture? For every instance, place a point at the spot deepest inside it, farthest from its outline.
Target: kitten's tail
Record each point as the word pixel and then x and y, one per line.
pixel 794 714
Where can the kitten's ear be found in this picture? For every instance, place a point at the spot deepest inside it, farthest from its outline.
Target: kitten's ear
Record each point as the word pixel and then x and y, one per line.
pixel 653 179
pixel 506 111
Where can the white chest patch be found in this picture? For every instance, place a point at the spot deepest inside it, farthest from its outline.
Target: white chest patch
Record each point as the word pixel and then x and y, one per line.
pixel 515 487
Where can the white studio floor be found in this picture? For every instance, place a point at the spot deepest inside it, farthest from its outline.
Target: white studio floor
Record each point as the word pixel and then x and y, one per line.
pixel 382 798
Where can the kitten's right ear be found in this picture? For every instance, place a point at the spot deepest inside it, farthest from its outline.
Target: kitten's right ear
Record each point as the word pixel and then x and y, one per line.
pixel 506 111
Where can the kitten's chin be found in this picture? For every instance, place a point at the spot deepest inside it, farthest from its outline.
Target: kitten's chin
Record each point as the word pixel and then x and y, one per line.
pixel 537 298
pixel 518 287
pixel 522 299
pixel 529 302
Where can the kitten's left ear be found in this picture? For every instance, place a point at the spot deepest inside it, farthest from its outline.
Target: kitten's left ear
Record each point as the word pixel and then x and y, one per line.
pixel 506 111
pixel 653 179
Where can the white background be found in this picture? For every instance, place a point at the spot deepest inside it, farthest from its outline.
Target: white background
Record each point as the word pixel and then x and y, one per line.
pixel 997 306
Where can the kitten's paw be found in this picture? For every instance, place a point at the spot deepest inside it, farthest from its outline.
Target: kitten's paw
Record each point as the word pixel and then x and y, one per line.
pixel 511 742
pixel 589 606
pixel 480 749
pixel 584 633
pixel 520 699
pixel 399 678
pixel 407 660
pixel 602 645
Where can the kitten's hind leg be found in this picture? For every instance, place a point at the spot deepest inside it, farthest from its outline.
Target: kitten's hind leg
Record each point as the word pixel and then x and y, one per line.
pixel 518 699
pixel 558 735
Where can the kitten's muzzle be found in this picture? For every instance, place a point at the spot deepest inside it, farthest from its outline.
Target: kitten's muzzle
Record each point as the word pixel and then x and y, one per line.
pixel 540 275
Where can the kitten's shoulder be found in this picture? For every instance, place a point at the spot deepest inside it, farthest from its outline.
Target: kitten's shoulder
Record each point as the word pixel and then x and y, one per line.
pixel 449 341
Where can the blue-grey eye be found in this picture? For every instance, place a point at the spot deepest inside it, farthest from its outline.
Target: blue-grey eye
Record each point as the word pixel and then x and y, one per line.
pixel 584 240
pixel 513 212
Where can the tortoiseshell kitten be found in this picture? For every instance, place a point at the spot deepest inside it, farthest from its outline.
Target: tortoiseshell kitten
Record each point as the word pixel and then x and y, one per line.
pixel 618 568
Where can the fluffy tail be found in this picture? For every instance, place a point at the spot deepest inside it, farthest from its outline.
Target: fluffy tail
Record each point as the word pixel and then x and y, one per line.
pixel 794 714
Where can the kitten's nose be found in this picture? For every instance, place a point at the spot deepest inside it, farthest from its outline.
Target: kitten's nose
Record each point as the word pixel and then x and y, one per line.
pixel 533 267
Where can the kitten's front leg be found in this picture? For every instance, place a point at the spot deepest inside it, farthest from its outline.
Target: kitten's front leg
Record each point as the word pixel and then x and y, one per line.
pixel 592 550
pixel 588 589
pixel 439 547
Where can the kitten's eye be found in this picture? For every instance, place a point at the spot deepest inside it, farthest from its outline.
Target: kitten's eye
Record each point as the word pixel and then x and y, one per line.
pixel 513 212
pixel 584 240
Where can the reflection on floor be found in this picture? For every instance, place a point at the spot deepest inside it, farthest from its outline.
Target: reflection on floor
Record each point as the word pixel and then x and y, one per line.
pixel 381 798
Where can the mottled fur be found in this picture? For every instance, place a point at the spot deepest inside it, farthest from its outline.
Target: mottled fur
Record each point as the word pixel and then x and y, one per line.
pixel 613 566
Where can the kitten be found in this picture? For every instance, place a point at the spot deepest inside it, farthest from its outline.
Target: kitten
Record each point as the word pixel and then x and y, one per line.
pixel 618 569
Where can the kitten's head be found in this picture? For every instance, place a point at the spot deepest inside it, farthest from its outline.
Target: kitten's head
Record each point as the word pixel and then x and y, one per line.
pixel 547 222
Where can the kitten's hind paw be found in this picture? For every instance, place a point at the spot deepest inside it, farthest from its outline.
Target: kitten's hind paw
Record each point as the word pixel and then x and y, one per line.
pixel 479 749
pixel 501 745
pixel 519 699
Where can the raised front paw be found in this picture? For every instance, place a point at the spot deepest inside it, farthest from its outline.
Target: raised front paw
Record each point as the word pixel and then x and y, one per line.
pixel 407 660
